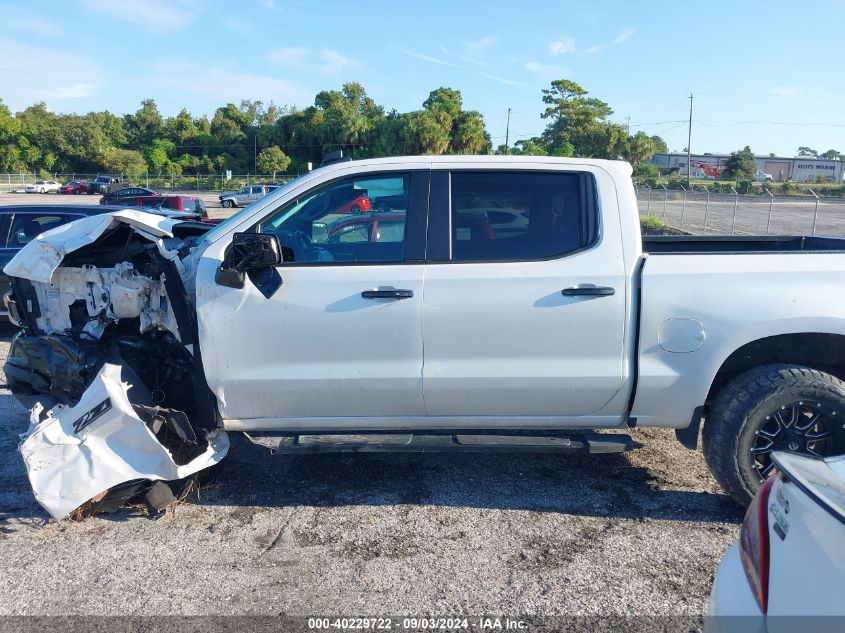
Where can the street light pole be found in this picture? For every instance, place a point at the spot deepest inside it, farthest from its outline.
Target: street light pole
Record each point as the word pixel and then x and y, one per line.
pixel 689 143
pixel 508 131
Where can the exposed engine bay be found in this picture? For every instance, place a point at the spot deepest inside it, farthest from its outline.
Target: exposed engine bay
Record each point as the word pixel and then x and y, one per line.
pixel 108 363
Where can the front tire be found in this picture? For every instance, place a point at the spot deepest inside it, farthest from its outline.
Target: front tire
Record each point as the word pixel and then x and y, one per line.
pixel 227 204
pixel 771 408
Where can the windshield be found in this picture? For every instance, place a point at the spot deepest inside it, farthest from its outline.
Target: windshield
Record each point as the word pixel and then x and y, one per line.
pixel 221 228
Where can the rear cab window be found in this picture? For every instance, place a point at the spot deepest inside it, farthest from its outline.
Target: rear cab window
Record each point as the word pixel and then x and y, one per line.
pixel 500 216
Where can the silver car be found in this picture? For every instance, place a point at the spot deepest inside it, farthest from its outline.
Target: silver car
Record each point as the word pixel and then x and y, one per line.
pixel 245 195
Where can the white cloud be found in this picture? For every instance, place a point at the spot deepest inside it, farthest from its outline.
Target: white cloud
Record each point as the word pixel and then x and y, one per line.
pixel 333 61
pixel 289 55
pixel 153 14
pixel 216 85
pixel 460 56
pixel 787 90
pixel 326 60
pixel 27 21
pixel 33 73
pixel 481 44
pixel 593 49
pixel 548 71
pixel 563 45
pixel 624 36
pixel 74 91
pixel 430 59
pixel 238 25
pixel 474 71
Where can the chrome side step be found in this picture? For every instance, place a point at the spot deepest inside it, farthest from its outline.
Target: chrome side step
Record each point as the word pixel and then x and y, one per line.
pixel 478 442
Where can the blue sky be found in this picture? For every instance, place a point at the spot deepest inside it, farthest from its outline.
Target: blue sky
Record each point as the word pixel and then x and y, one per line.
pixel 767 74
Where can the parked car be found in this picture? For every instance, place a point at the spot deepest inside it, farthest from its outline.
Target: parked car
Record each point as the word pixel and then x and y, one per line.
pixel 790 559
pixel 246 195
pixel 43 186
pixel 762 176
pixel 116 197
pixel 184 203
pixel 520 333
pixel 105 184
pixel 363 227
pixel 384 204
pixel 74 187
pixel 358 204
pixel 19 224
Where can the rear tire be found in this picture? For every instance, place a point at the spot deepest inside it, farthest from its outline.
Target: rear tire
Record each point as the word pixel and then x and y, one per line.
pixel 770 408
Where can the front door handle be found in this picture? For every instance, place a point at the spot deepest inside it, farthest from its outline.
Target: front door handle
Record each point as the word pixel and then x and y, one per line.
pixel 387 294
pixel 588 291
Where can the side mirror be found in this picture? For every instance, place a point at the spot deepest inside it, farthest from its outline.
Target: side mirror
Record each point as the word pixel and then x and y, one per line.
pixel 248 252
pixel 253 250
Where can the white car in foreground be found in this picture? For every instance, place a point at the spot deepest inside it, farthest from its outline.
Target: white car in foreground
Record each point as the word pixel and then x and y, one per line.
pixel 43 186
pixel 790 560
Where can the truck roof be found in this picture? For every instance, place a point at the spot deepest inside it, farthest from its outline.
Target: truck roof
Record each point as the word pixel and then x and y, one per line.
pixel 484 162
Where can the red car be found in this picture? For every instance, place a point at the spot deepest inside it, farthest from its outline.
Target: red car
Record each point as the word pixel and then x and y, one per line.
pixel 187 204
pixel 356 205
pixel 74 187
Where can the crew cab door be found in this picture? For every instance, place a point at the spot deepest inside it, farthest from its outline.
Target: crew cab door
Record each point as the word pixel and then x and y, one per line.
pixel 341 337
pixel 525 294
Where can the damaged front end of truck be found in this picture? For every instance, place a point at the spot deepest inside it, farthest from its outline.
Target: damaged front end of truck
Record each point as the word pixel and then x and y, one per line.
pixel 108 363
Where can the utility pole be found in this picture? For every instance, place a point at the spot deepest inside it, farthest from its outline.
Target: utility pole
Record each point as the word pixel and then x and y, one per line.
pixel 628 125
pixel 508 131
pixel 689 143
pixel 255 153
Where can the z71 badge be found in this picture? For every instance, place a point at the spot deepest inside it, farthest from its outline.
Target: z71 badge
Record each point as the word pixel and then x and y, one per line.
pixel 87 418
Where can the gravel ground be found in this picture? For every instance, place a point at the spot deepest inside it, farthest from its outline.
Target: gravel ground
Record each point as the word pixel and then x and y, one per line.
pixel 633 534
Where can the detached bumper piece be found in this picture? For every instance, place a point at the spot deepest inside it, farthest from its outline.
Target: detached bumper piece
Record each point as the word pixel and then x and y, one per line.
pixel 115 434
pixel 427 442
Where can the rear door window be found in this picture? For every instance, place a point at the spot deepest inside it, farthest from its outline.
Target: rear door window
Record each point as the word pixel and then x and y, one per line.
pixel 519 216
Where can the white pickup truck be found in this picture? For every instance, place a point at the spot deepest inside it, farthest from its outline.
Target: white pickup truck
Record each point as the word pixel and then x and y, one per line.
pixel 511 305
pixel 245 195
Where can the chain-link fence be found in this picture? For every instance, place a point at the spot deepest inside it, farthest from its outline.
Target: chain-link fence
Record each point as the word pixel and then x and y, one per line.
pixel 159 182
pixel 706 213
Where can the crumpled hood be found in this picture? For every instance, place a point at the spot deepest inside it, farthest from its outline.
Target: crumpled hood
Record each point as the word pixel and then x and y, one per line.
pixel 38 260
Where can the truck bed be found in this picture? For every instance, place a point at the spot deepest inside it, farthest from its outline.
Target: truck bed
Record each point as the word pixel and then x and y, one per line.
pixel 740 244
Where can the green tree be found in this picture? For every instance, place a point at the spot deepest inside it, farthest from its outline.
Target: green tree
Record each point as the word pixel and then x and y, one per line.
pixel 660 146
pixel 831 154
pixel 126 161
pixel 580 121
pixel 272 159
pixel 639 148
pixel 10 151
pixel 741 165
pixel 143 126
pixel 425 133
pixel 158 155
pixel 807 151
pixel 468 134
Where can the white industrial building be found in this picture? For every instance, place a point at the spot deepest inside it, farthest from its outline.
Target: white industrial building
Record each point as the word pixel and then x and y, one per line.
pixel 801 169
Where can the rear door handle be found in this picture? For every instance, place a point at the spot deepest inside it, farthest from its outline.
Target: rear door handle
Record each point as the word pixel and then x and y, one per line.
pixel 588 291
pixel 387 294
